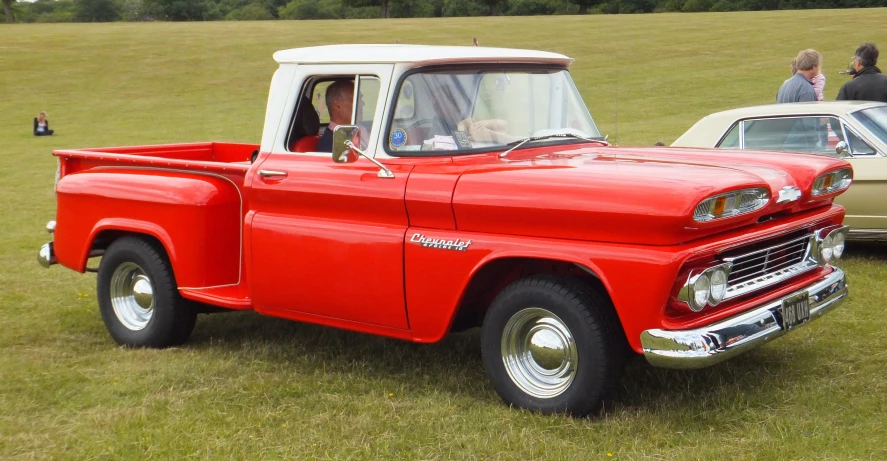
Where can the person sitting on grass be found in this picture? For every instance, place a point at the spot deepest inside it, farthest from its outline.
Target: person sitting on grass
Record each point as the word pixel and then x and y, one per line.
pixel 41 125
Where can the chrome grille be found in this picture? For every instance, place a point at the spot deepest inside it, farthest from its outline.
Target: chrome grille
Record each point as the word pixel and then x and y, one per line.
pixel 767 266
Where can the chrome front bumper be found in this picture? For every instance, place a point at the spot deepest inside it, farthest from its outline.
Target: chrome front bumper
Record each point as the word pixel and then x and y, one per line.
pixel 728 338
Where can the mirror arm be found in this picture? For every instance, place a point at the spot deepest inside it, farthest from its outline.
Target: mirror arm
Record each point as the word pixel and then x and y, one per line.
pixel 384 172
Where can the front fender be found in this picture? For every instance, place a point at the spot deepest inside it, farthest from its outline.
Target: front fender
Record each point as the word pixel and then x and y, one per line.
pixel 638 279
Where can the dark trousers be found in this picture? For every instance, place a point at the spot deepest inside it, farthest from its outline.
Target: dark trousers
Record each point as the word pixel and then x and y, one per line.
pixel 45 133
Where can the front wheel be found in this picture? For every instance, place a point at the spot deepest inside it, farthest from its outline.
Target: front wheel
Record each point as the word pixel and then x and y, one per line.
pixel 552 344
pixel 138 297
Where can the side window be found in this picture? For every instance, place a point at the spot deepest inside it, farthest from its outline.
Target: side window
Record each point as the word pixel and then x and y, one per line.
pixel 857 145
pixel 367 98
pixel 328 101
pixel 731 141
pixel 797 134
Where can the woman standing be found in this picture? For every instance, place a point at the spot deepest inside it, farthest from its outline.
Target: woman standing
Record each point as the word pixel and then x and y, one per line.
pixel 41 125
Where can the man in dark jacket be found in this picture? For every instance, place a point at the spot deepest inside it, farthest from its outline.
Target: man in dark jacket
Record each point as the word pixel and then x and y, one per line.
pixel 869 84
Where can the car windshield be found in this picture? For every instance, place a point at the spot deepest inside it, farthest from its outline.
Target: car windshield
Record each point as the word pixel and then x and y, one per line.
pixel 875 120
pixel 451 111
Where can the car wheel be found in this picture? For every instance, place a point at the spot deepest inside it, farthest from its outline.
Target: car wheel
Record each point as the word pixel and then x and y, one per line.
pixel 553 345
pixel 138 297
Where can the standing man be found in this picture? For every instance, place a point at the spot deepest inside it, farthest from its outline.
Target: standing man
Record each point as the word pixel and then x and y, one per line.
pixel 869 84
pixel 799 88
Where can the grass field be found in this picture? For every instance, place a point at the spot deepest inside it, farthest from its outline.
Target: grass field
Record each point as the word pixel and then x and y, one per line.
pixel 248 387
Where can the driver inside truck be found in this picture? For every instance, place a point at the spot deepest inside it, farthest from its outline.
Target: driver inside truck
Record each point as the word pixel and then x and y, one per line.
pixel 339 101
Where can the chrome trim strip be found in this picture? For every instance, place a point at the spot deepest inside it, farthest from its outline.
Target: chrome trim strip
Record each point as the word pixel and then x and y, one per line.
pixel 867 234
pixel 714 343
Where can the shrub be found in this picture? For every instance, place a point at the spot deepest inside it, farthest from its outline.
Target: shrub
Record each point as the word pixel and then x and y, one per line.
pixel 464 8
pixel 56 16
pixel 312 9
pixel 530 7
pixel 249 12
pixel 180 10
pixel 411 9
pixel 695 6
pixel 96 10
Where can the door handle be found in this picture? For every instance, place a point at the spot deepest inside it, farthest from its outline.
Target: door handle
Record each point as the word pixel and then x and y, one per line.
pixel 272 174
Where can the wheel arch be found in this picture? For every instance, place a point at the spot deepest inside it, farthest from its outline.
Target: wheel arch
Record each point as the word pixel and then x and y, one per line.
pixel 106 231
pixel 495 273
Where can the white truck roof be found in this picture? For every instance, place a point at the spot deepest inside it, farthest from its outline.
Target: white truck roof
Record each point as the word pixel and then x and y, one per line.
pixel 418 54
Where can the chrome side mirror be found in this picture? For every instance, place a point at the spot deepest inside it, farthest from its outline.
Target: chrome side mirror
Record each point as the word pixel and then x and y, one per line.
pixel 344 150
pixel 341 152
pixel 842 149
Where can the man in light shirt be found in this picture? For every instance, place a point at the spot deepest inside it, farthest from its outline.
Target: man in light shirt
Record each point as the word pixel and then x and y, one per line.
pixel 799 88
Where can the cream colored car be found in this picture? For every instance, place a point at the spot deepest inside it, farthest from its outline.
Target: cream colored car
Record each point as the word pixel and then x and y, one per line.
pixel 854 130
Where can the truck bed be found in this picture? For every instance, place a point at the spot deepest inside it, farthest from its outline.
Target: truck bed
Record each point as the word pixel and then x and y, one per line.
pixel 231 159
pixel 187 196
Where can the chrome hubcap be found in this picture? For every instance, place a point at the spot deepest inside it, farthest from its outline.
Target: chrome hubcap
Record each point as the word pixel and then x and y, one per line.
pixel 539 353
pixel 132 296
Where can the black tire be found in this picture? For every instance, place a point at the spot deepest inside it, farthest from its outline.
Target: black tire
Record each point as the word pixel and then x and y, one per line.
pixel 599 344
pixel 171 317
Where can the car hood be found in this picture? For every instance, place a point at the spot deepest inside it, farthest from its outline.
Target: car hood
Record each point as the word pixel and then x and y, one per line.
pixel 626 195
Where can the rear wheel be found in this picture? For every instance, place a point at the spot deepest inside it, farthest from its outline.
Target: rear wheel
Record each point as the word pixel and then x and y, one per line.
pixel 553 345
pixel 138 297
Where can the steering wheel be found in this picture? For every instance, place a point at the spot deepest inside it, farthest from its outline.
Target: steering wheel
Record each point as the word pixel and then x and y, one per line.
pixel 436 124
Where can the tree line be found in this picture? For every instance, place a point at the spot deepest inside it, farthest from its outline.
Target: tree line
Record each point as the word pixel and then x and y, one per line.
pixel 212 10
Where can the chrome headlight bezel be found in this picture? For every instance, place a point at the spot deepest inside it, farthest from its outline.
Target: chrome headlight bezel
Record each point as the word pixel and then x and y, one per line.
pixel 831 182
pixel 688 293
pixel 730 204
pixel 829 244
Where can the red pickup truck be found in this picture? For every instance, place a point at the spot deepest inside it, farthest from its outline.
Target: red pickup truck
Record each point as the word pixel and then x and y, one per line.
pixel 413 191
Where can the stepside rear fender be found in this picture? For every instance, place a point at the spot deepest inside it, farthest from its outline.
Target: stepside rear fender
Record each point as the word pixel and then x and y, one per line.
pixel 195 216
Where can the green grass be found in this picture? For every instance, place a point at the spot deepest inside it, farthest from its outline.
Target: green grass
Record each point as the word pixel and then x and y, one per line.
pixel 248 387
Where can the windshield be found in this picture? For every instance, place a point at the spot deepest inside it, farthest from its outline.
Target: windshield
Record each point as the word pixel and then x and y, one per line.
pixel 470 110
pixel 875 120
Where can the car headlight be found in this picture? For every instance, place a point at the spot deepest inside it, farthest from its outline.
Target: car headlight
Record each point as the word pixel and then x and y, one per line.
pixel 731 204
pixel 830 244
pixel 832 181
pixel 718 283
pixel 705 288
pixel 701 289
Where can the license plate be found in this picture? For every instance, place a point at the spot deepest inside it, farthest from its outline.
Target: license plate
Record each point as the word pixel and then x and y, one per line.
pixel 795 310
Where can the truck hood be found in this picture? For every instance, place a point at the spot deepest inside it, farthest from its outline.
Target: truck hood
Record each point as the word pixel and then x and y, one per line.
pixel 626 195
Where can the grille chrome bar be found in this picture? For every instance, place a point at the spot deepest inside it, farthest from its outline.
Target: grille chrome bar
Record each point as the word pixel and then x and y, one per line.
pixel 788 256
pixel 768 266
pixel 765 268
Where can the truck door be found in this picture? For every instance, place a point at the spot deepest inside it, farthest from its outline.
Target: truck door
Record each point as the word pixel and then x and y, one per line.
pixel 325 240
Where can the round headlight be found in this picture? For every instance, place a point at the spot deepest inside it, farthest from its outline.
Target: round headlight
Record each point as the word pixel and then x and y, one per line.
pixel 838 245
pixel 701 292
pixel 826 249
pixel 718 285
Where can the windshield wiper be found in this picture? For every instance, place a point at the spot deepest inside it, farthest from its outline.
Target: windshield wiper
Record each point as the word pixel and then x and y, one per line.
pixel 521 142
